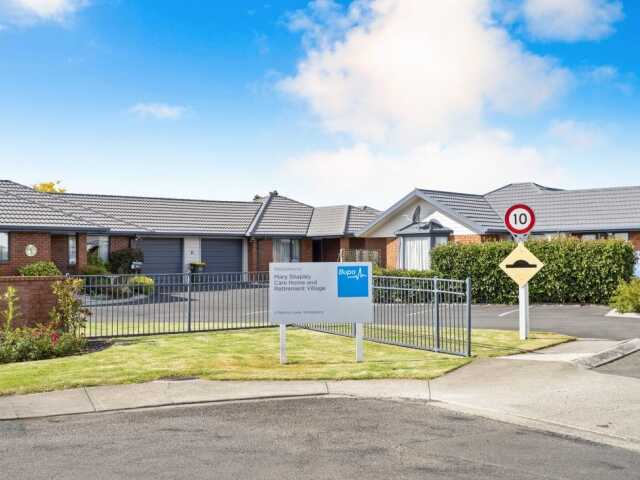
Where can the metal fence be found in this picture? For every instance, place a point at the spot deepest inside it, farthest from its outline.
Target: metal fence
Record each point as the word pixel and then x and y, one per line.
pixel 424 313
pixel 129 305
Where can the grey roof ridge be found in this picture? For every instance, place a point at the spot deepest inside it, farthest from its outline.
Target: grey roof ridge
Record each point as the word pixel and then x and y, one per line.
pixel 347 211
pixel 477 195
pixel 49 207
pixel 259 214
pixel 112 217
pixel 142 197
pixel 387 212
pixel 313 211
pixel 293 200
pixel 597 189
pixel 541 188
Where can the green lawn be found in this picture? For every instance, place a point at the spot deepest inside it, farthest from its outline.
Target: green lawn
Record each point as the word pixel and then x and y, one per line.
pixel 251 355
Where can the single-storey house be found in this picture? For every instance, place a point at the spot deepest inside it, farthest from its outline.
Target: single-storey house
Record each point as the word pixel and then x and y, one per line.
pixel 229 236
pixel 423 219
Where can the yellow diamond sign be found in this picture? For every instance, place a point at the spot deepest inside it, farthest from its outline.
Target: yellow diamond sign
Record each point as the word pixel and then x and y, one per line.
pixel 521 265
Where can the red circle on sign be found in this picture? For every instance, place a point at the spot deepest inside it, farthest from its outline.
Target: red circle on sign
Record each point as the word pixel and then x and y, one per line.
pixel 519 230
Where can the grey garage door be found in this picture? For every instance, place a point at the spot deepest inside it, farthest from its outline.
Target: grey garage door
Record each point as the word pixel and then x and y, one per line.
pixel 162 255
pixel 222 255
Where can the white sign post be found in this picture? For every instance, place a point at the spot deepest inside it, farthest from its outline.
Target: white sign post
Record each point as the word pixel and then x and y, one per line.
pixel 520 220
pixel 307 293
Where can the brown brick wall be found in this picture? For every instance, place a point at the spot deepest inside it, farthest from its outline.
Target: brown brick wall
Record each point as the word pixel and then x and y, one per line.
pixel 466 239
pixel 379 244
pixel 119 243
pixel 393 252
pixel 634 238
pixel 264 254
pixel 306 250
pixel 60 253
pixel 35 298
pixel 17 243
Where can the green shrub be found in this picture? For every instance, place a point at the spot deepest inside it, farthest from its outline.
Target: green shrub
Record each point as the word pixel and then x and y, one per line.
pixel 406 286
pixel 626 298
pixel 40 269
pixel 39 343
pixel 11 308
pixel 90 269
pixel 575 271
pixel 68 314
pixel 141 285
pixel 121 260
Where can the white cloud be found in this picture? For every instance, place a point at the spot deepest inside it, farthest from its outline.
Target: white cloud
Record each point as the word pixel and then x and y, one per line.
pixel 577 135
pixel 571 20
pixel 412 69
pixel 359 174
pixel 161 111
pixel 30 11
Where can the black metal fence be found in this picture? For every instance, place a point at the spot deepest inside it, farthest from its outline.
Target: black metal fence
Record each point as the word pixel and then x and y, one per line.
pixel 424 313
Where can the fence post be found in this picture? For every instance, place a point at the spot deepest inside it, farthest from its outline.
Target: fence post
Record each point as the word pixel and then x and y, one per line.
pixel 190 277
pixel 468 316
pixel 436 304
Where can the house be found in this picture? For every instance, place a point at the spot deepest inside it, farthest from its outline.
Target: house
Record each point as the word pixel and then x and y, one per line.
pixel 229 236
pixel 423 219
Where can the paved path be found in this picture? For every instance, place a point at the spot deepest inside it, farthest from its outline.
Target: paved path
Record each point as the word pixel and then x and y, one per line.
pixel 318 438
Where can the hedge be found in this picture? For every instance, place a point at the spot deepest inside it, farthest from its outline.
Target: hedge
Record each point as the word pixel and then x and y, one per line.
pixel 575 271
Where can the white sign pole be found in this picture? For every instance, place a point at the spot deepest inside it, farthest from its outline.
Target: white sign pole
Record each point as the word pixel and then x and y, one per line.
pixel 524 312
pixel 359 342
pixel 283 343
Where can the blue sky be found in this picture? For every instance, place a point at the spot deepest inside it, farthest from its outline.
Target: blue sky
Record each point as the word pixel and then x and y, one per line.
pixel 327 102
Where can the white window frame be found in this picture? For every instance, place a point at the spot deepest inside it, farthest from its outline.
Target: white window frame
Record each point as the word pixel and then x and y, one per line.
pixel 73 249
pixel 4 247
pixel 103 244
pixel 290 245
pixel 416 250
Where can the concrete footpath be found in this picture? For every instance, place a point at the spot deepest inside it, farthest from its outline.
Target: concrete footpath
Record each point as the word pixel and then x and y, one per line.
pixel 548 390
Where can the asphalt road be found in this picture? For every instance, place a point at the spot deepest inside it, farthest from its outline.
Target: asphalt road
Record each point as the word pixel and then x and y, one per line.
pixel 580 321
pixel 293 439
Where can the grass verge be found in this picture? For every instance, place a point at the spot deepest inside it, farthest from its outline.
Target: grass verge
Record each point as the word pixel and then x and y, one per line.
pixel 251 355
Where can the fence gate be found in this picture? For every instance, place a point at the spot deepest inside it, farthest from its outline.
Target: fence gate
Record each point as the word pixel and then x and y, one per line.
pixel 423 313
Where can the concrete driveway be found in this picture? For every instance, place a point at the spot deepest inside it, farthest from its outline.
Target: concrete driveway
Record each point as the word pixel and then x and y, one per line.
pixel 321 438
pixel 579 321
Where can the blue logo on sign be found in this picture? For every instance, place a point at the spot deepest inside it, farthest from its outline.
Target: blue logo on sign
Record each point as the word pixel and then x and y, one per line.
pixel 353 281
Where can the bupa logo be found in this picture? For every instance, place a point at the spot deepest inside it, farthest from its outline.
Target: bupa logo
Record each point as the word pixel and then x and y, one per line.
pixel 353 281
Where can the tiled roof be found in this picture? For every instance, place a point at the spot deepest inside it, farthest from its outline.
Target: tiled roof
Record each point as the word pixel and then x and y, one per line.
pixel 475 209
pixel 360 217
pixel 169 216
pixel 597 209
pixel 328 221
pixel 22 207
pixel 274 215
pixel 283 216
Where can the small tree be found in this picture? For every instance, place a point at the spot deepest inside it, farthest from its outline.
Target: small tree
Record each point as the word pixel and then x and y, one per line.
pixel 49 187
pixel 11 310
pixel 68 315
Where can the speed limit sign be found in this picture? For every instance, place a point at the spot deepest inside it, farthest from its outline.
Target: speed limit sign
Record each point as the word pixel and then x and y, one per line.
pixel 519 219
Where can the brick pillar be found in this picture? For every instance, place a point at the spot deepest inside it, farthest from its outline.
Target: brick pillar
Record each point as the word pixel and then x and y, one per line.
pixel 306 250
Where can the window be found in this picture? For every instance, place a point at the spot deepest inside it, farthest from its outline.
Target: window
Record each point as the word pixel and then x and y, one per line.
pixel 286 250
pixel 621 236
pixel 417 251
pixel 4 247
pixel 99 245
pixel 73 249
